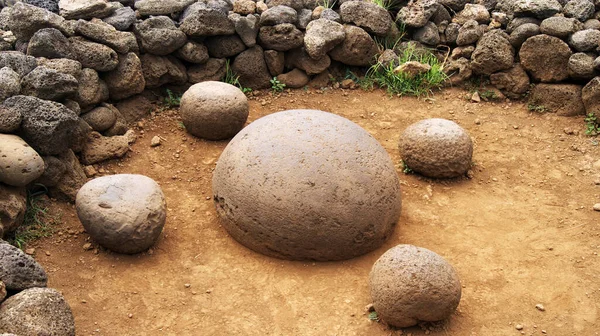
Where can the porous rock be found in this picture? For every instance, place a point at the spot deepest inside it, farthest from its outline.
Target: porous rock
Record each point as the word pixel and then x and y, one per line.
pixel 13 204
pixel 92 90
pixel 252 69
pixel 493 53
pixel 49 43
pixel 417 13
pixel 522 33
pixel 10 83
pixel 161 70
pixel 512 82
pixel 193 52
pixel 282 37
pixel 540 9
pixel 367 15
pixel 101 32
pixel 212 70
pixel 279 216
pixel 158 35
pixel 357 49
pixel 17 61
pixel 581 66
pixel 560 26
pixel 94 55
pixel 100 118
pixel 99 148
pixel 124 213
pixel 19 163
pixel 412 284
pixel 45 83
pixel 121 19
pixel 585 40
pixel 299 58
pixel 546 58
pixel 10 120
pixel 436 148
pixel 579 9
pixel 37 311
pixel 202 20
pixel 275 61
pixel 591 96
pixel 85 9
pixel 321 36
pixel 161 7
pixel 26 20
pixel 562 99
pixel 278 15
pixel 62 65
pixel 214 110
pixel 472 12
pixel 294 79
pixel 19 271
pixel 224 46
pixel 127 79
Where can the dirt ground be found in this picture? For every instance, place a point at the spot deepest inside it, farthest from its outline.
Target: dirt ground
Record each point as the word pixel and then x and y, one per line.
pixel 520 232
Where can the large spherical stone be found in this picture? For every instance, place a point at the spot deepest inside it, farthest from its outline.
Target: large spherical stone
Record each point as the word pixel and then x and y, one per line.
pixel 411 284
pixel 436 148
pixel 124 213
pixel 307 185
pixel 214 110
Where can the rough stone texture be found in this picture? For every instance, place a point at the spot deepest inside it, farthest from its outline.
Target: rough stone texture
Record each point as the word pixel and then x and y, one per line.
pixel 120 126
pixel 193 52
pixel 62 65
pixel 100 118
pixel 127 79
pixel 357 49
pixel 124 213
pixel 592 24
pixel 459 70
pixel 330 14
pixel 134 108
pixel 158 35
pixel 2 297
pixel 579 9
pixel 246 27
pixel 540 9
pixel 10 120
pixel 19 271
pixel 417 13
pixel 581 66
pixel 275 62
pixel 465 52
pixel 101 32
pixel 512 82
pixel 244 7
pixel 412 68
pixel 252 69
pixel 278 15
pixel 26 19
pixel 202 20
pixel 411 284
pixel 455 5
pixel 306 209
pixel 470 32
pixel 214 110
pixel 13 204
pixel 562 99
pixel 560 26
pixel 591 96
pixel 99 148
pixel 515 22
pixel 161 70
pixel 161 7
pixel 47 126
pixel 10 83
pixel 72 180
pixel 121 19
pixel 428 34
pixel 94 55
pixel 20 63
pixel 224 46
pixel 92 90
pixel 49 84
pixel 212 70
pixel 522 33
pixel 84 9
pixel 49 43
pixel 493 53
pixel 37 311
pixel 321 36
pixel 472 12
pixel 436 148
pixel 585 40
pixel 366 15
pixel 294 79
pixel 19 163
pixel 300 59
pixel 50 5
pixel 53 172
pixel 546 58
pixel 281 37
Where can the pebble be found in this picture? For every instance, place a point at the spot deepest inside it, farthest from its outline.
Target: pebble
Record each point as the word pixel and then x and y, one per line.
pixel 187 285
pixel 477 122
pixel 30 251
pixel 130 315
pixel 89 171
pixel 519 327
pixel 155 141
pixel 597 207
pixel 540 307
pixel 87 246
pixel 475 97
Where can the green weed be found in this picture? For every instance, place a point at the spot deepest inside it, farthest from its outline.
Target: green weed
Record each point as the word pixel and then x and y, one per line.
pixel 532 107
pixel 373 316
pixel 38 222
pixel 592 125
pixel 233 79
pixel 406 169
pixel 276 85
pixel 388 5
pixel 172 99
pixel 327 3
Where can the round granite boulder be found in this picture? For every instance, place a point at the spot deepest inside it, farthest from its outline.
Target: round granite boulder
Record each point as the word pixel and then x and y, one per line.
pixel 307 185
pixel 411 284
pixel 124 213
pixel 214 110
pixel 437 148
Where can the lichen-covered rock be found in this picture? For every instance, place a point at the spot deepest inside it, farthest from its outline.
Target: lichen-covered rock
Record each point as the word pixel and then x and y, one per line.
pixel 19 271
pixel 512 82
pixel 49 84
pixel 562 99
pixel 13 204
pixel 161 7
pixel 214 110
pixel 278 216
pixel 357 49
pixel 560 26
pixel 161 70
pixel 101 32
pixel 281 37
pixel 193 52
pixel 99 148
pixel 94 55
pixel 85 9
pixel 540 9
pixel 278 15
pixel 10 83
pixel 367 15
pixel 49 43
pixel 581 66
pixel 493 53
pixel 127 79
pixel 417 13
pixel 48 127
pixel 92 90
pixel 252 69
pixel 436 148
pixel 26 20
pixel 579 9
pixel 17 61
pixel 202 20
pixel 124 213
pixel 212 70
pixel 585 40
pixel 37 311
pixel 321 36
pixel 224 46
pixel 411 284
pixel 121 19
pixel 159 35
pixel 546 58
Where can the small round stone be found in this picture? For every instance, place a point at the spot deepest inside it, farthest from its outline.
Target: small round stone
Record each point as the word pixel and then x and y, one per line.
pixel 214 110
pixel 437 148
pixel 307 185
pixel 124 213
pixel 411 284
pixel 100 119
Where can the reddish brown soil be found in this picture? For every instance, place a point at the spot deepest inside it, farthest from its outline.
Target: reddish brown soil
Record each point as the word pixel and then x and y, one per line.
pixel 521 232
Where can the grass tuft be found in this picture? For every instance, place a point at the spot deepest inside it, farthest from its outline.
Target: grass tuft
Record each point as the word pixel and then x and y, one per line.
pixel 592 125
pixel 38 222
pixel 172 99
pixel 233 79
